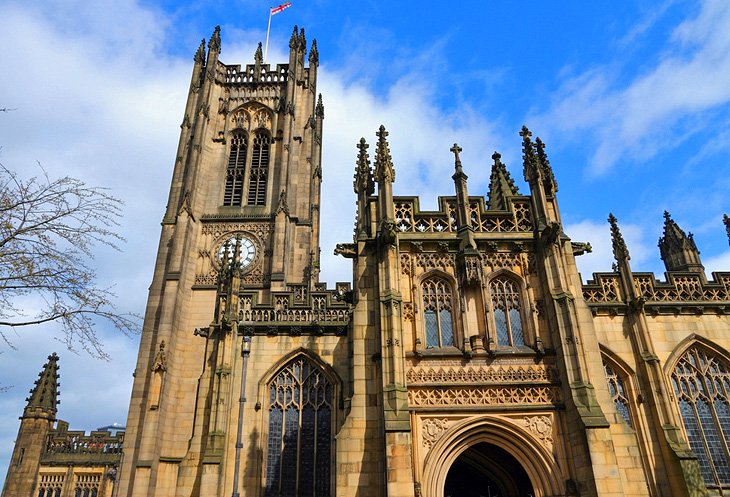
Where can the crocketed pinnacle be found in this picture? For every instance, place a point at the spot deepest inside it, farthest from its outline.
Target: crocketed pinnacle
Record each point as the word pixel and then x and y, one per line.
pixel 726 221
pixel 302 41
pixel 363 172
pixel 44 395
pixel 678 250
pixel 294 40
pixel 501 185
pixel 314 54
pixel 319 108
pixel 215 41
pixel 620 251
pixel 529 158
pixel 200 54
pixel 258 57
pixel 549 178
pixel 384 170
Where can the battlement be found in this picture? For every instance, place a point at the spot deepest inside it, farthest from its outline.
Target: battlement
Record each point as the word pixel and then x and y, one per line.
pixel 255 74
pixel 410 218
pixel 76 447
pixel 681 293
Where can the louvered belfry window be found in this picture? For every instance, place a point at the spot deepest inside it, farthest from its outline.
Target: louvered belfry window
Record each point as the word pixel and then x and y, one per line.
pixel 299 445
pixel 236 170
pixel 701 383
pixel 437 313
pixel 259 169
pixel 507 305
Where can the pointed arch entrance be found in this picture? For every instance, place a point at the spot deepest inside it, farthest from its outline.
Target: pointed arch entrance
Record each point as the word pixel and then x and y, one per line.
pixel 496 456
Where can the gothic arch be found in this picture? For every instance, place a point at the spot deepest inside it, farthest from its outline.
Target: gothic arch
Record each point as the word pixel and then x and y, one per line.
pixel 311 356
pixel 454 307
pixel 527 330
pixel 537 461
pixel 621 388
pixel 687 343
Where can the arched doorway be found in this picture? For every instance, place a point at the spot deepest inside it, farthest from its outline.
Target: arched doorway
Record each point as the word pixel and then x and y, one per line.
pixel 485 470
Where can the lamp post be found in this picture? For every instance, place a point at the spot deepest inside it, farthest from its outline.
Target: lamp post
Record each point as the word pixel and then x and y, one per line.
pixel 245 352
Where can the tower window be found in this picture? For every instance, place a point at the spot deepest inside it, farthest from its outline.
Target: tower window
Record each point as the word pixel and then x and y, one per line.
pixel 437 313
pixel 618 392
pixel 299 445
pixel 507 306
pixel 702 385
pixel 236 170
pixel 259 169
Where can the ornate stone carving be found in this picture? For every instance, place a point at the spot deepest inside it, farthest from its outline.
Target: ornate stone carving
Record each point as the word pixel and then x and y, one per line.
pixel 432 429
pixel 483 396
pixel 160 362
pixel 482 374
pixel 542 428
pixel 435 260
pixel 408 311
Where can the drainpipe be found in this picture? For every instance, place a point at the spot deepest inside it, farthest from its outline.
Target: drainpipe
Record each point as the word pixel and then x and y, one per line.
pixel 245 351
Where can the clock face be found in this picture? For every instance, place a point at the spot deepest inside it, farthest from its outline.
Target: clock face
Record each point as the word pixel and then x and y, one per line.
pixel 248 251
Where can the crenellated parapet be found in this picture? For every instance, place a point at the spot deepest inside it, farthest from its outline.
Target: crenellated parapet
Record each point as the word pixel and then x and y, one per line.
pixel 681 293
pixel 254 74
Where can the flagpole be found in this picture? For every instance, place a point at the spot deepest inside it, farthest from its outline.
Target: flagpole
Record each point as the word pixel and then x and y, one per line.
pixel 266 49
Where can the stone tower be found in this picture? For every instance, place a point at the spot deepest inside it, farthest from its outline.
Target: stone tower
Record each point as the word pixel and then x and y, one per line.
pixel 35 424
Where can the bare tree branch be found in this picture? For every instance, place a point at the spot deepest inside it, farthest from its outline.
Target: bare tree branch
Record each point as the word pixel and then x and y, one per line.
pixel 48 228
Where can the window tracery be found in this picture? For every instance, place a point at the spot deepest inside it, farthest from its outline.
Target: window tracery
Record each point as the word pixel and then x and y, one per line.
pixel 236 169
pixel 618 392
pixel 259 169
pixel 701 383
pixel 299 445
pixel 507 308
pixel 438 322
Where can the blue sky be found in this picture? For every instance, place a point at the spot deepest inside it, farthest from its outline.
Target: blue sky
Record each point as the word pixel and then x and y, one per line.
pixel 631 98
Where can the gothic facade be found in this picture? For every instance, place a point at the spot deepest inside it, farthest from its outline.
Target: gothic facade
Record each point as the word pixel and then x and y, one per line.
pixel 466 357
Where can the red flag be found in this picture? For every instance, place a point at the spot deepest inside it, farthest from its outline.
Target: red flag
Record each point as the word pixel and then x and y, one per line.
pixel 276 10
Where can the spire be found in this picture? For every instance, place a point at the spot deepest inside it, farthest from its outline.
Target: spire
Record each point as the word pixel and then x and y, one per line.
pixel 551 186
pixel 294 40
pixel 314 54
pixel 384 171
pixel 215 41
pixel 319 109
pixel 200 54
pixel 501 185
pixel 363 172
pixel 678 250
pixel 302 41
pixel 258 57
pixel 726 221
pixel 44 395
pixel 529 159
pixel 620 251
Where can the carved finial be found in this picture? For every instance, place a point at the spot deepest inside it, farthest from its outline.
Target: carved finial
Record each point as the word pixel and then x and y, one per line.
pixel 236 260
pixel 160 362
pixel 258 57
pixel 363 172
pixel 314 54
pixel 302 41
pixel 44 395
pixel 726 221
pixel 456 149
pixel 678 250
pixel 384 171
pixel 620 251
pixel 529 160
pixel 200 54
pixel 319 109
pixel 551 186
pixel 294 40
pixel 282 206
pixel 215 41
pixel 501 184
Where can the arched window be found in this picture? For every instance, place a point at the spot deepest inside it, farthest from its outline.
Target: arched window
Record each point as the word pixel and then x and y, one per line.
pixel 507 305
pixel 236 170
pixel 618 392
pixel 701 383
pixel 259 169
pixel 437 313
pixel 299 445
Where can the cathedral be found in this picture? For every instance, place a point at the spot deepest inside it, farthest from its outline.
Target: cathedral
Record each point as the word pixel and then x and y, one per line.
pixel 465 358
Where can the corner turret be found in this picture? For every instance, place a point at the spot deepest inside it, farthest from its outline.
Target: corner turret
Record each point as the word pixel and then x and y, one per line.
pixel 678 250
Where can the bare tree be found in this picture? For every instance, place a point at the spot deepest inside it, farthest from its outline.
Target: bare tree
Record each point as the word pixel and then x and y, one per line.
pixel 48 228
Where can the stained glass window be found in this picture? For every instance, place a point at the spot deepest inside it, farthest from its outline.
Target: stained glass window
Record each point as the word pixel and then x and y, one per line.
pixel 701 383
pixel 298 449
pixel 259 169
pixel 437 313
pixel 507 305
pixel 236 169
pixel 618 392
